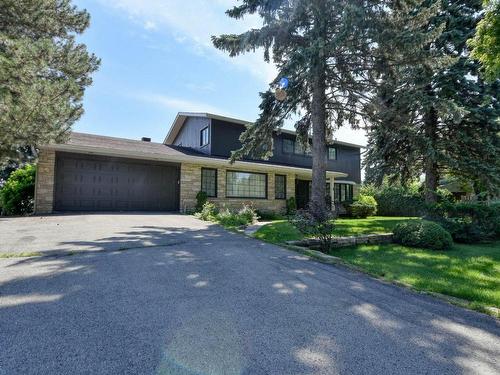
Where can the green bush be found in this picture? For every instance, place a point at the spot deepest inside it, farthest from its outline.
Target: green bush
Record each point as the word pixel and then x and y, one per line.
pixel 201 199
pixel 320 227
pixel 17 194
pixel 468 222
pixel 246 215
pixel 269 215
pixel 291 206
pixel 364 207
pixel 426 234
pixel 399 201
pixel 208 212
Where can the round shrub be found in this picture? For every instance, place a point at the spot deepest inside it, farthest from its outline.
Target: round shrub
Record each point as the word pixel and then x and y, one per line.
pixel 201 199
pixel 17 194
pixel 365 206
pixel 426 234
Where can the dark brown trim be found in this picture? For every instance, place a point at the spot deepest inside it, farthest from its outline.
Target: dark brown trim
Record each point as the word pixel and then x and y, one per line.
pixel 236 171
pixel 216 181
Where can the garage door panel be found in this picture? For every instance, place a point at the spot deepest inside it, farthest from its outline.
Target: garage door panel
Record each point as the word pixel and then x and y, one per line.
pixel 91 183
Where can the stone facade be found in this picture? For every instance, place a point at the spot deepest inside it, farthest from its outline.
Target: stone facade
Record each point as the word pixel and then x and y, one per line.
pixel 190 185
pixel 44 186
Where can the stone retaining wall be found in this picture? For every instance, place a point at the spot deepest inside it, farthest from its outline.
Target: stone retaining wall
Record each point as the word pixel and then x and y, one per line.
pixel 347 241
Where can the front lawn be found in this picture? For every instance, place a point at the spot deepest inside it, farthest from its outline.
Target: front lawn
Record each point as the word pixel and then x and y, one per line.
pixel 470 272
pixel 282 230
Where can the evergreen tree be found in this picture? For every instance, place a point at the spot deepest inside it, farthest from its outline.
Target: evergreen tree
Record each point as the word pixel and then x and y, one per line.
pixel 324 48
pixel 402 57
pixel 43 72
pixel 453 124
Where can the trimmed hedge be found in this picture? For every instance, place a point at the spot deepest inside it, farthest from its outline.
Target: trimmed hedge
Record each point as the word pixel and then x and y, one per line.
pixel 468 222
pixel 425 234
pixel 398 201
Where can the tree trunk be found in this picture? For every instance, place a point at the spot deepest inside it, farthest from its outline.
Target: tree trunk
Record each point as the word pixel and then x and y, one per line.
pixel 431 169
pixel 319 154
pixel 318 119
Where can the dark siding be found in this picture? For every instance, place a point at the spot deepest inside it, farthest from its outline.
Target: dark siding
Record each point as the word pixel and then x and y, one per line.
pixel 189 135
pixel 225 138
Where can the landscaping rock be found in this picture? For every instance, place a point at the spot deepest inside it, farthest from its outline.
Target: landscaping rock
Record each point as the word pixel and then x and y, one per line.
pixel 346 241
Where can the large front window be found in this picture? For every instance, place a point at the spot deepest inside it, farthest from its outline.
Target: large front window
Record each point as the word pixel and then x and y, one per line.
pixel 246 185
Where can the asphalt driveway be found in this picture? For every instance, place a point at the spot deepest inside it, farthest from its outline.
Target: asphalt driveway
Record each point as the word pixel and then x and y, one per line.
pixel 200 300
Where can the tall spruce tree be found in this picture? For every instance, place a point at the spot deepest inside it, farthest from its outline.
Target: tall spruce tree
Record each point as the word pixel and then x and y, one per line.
pixel 402 57
pixel 453 126
pixel 43 72
pixel 324 48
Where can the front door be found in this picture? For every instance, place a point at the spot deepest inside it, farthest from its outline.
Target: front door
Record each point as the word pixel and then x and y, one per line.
pixel 302 193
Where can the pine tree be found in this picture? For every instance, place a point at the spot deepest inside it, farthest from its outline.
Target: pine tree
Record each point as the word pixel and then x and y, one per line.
pixel 402 57
pixel 324 48
pixel 453 127
pixel 43 72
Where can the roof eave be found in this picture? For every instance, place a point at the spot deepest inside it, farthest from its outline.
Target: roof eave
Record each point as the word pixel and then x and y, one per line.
pixel 178 158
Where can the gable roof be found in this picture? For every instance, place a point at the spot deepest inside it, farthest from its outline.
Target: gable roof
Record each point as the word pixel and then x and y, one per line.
pixel 183 116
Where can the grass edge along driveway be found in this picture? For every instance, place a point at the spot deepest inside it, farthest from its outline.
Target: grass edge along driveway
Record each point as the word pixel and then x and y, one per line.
pixel 469 272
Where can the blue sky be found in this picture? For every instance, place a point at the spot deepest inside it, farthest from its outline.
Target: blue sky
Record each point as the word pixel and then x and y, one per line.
pixel 157 60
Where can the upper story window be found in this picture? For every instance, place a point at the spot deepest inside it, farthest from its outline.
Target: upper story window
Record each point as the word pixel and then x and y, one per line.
pixel 293 147
pixel 204 136
pixel 288 146
pixel 332 153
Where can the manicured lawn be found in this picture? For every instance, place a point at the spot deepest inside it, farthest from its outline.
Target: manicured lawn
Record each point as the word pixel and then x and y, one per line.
pixel 281 231
pixel 470 272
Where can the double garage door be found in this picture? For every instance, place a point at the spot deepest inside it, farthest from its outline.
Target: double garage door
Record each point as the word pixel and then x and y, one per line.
pixel 95 183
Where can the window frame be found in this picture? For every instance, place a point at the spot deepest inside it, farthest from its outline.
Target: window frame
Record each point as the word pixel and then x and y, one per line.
pixel 216 180
pixel 333 148
pixel 284 186
pixel 246 197
pixel 283 146
pixel 340 189
pixel 201 136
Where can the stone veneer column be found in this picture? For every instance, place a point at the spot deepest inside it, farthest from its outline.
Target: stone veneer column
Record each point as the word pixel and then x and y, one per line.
pixel 190 186
pixel 44 186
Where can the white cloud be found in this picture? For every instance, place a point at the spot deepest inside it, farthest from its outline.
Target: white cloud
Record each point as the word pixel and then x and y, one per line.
pixel 178 104
pixel 194 22
pixel 150 25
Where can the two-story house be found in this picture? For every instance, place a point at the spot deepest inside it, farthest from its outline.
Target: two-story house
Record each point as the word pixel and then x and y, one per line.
pixel 100 173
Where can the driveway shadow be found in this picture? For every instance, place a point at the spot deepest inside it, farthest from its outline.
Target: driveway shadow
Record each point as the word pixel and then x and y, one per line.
pixel 221 303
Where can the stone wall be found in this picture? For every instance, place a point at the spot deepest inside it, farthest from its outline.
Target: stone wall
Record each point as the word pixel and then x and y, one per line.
pixel 191 184
pixel 44 186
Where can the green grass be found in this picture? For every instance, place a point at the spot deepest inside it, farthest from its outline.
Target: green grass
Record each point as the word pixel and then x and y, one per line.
pixel 281 231
pixel 470 272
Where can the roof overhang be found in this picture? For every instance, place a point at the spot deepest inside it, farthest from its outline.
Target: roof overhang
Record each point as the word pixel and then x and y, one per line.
pixel 183 159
